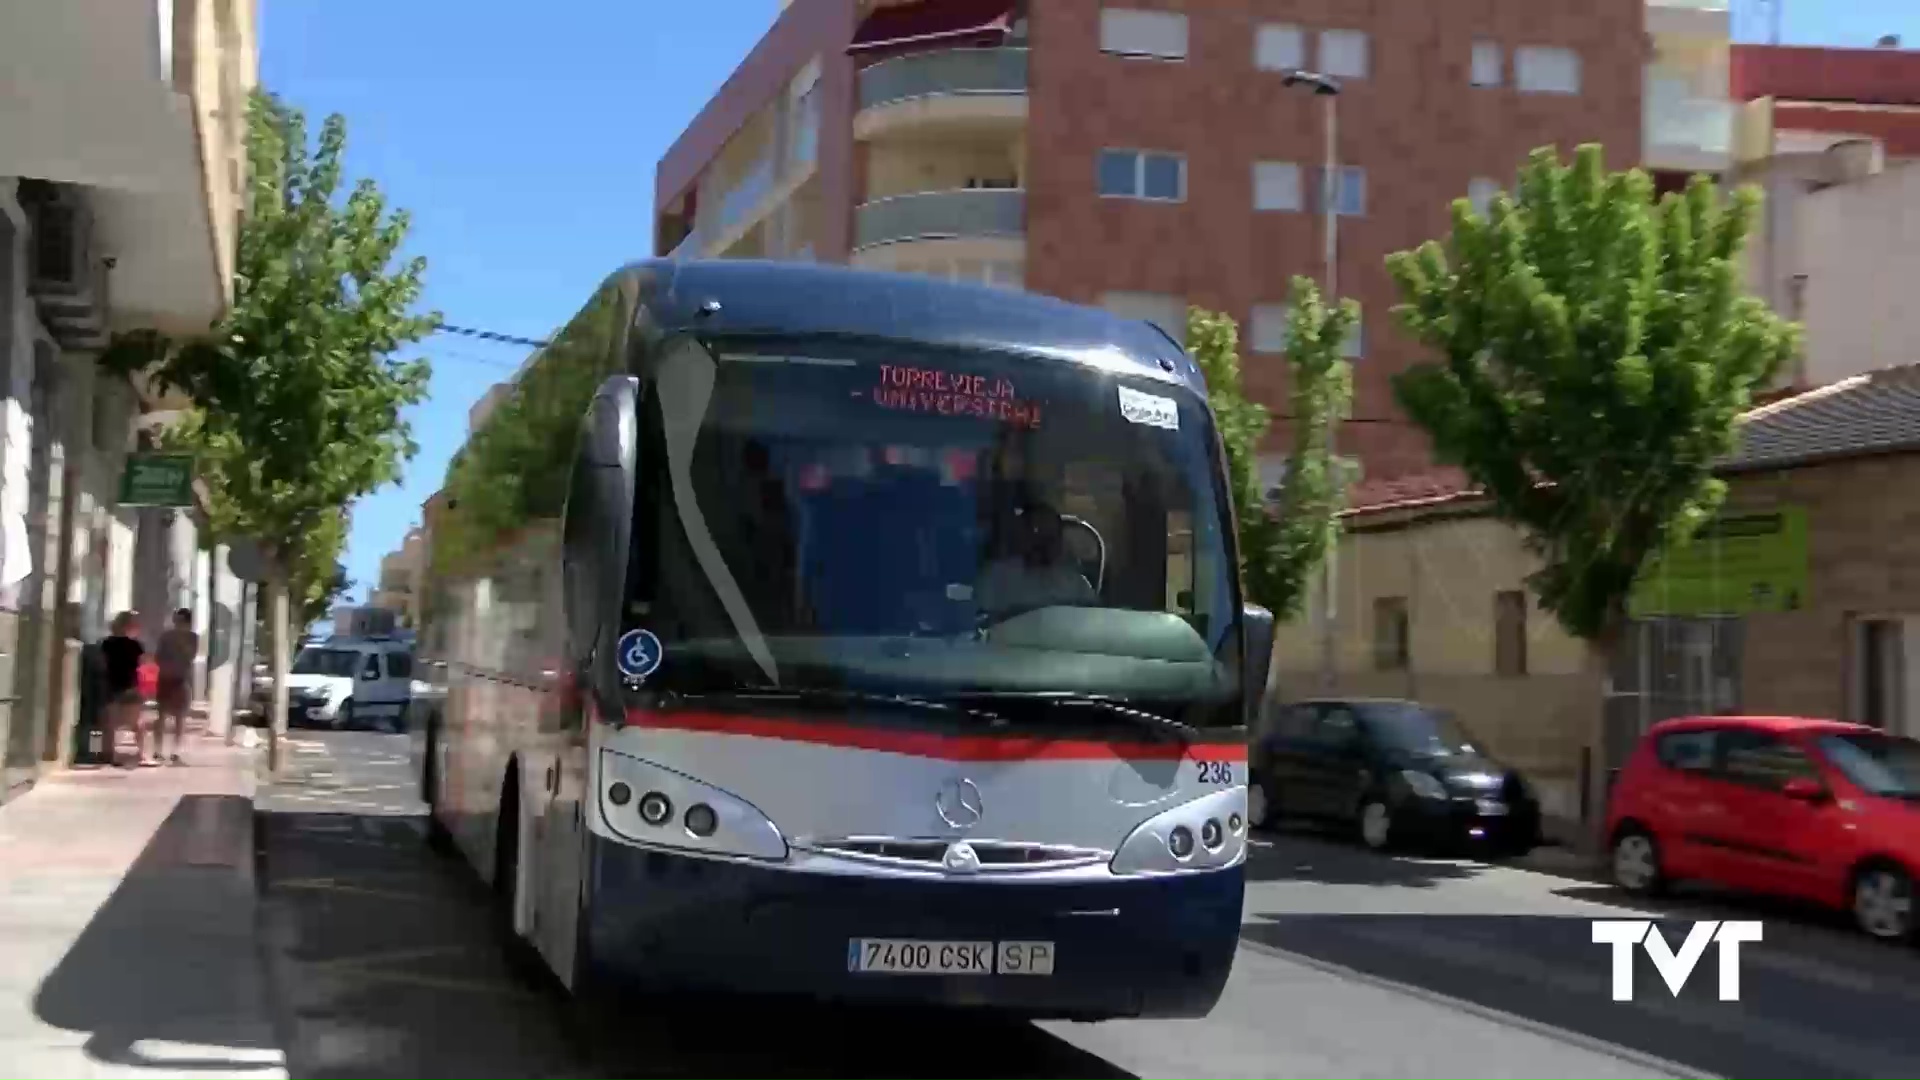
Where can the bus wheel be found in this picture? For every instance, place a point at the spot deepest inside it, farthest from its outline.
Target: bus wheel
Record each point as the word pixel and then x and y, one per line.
pixel 595 1001
pixel 523 960
pixel 438 839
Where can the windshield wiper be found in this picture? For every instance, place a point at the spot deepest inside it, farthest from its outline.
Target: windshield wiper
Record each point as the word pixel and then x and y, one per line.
pixel 1149 721
pixel 823 695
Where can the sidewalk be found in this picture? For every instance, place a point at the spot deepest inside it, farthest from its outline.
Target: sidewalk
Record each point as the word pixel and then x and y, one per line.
pixel 129 943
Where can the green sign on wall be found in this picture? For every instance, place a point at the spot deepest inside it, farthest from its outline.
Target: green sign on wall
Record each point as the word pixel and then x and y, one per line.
pixel 1737 564
pixel 157 480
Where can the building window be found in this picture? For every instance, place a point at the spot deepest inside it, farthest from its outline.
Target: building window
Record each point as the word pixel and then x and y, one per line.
pixel 1343 53
pixel 1390 645
pixel 1487 64
pixel 1538 69
pixel 1131 32
pixel 1169 313
pixel 1880 673
pixel 1267 328
pixel 1350 198
pixel 1354 346
pixel 1481 192
pixel 1139 174
pixel 1510 633
pixel 1276 185
pixel 806 127
pixel 1279 47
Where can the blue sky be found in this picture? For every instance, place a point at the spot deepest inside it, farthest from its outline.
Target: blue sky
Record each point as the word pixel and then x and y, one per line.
pixel 523 140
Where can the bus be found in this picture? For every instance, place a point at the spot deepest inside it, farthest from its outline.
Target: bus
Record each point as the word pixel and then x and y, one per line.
pixel 856 636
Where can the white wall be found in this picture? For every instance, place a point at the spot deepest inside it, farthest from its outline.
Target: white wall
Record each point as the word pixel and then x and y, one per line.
pixel 1859 246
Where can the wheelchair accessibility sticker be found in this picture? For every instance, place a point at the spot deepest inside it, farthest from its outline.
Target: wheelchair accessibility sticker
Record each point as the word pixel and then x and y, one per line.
pixel 639 654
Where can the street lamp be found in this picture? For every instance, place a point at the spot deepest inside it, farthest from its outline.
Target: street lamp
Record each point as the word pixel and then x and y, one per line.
pixel 1327 89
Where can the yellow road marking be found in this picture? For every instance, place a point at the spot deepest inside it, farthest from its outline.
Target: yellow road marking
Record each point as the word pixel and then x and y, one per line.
pixel 389 956
pixel 471 986
pixel 330 885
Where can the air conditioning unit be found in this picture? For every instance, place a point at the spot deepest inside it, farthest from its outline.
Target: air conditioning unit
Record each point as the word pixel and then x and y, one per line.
pixel 62 276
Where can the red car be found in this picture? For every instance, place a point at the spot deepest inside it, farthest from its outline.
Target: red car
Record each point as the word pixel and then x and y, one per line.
pixel 1813 809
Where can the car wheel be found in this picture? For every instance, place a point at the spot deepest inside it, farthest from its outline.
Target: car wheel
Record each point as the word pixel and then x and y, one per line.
pixel 1636 862
pixel 1883 902
pixel 343 716
pixel 1376 825
pixel 1260 812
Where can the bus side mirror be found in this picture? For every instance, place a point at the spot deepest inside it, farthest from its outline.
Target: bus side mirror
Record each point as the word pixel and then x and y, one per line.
pixel 597 542
pixel 1257 660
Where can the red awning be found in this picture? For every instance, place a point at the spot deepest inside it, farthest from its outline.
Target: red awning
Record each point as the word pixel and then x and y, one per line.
pixel 933 22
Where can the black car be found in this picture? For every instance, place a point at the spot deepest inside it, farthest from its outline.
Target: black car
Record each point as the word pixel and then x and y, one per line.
pixel 1395 771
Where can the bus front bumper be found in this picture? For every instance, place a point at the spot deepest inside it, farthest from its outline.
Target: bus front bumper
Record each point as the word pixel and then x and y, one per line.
pixel 1149 946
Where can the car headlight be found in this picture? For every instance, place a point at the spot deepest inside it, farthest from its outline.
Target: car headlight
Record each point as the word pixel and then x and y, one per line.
pixel 652 805
pixel 1205 834
pixel 1422 785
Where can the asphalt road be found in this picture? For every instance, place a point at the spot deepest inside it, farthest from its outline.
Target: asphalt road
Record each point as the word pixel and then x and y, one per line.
pixel 384 964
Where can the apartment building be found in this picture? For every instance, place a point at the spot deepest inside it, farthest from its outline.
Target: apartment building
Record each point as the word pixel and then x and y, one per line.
pixel 400 586
pixel 122 174
pixel 1145 154
pixel 1832 137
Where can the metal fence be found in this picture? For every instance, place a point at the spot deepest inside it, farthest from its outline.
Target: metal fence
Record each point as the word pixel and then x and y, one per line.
pixel 1664 668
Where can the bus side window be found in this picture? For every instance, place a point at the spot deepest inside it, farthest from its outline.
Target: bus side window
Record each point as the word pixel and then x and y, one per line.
pixel 370 671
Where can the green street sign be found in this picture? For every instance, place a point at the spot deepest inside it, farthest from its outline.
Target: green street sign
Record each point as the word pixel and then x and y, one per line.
pixel 157 480
pixel 1737 564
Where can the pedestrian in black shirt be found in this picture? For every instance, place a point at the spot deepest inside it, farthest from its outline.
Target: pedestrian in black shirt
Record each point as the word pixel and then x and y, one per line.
pixel 122 652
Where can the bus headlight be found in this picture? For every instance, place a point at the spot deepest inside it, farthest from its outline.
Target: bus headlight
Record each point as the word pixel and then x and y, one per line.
pixel 1164 843
pixel 716 822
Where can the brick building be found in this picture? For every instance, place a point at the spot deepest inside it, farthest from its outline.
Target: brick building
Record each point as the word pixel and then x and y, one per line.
pixel 1144 154
pixel 1802 599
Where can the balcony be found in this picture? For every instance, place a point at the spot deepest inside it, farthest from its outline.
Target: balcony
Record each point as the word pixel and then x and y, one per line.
pixel 968 89
pixel 979 214
pixel 103 115
pixel 1685 131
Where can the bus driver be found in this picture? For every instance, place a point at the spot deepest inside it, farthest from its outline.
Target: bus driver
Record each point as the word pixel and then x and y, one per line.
pixel 1036 572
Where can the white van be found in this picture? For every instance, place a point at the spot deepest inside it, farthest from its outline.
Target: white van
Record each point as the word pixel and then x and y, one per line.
pixel 349 683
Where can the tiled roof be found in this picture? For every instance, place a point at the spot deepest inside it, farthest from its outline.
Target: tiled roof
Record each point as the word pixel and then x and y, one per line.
pixel 1872 413
pixel 1419 489
pixel 1867 414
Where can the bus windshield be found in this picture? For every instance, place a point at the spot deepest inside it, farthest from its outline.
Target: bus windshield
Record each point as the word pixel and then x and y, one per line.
pixel 944 523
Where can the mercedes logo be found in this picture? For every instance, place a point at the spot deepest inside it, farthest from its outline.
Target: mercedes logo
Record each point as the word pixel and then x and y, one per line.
pixel 958 802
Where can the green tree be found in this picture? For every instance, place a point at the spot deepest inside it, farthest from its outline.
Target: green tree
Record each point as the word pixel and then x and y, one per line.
pixel 298 401
pixel 1594 351
pixel 317 594
pixel 514 470
pixel 1281 545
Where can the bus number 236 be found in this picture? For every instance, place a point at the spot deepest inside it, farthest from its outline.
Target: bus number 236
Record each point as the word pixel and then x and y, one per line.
pixel 1215 772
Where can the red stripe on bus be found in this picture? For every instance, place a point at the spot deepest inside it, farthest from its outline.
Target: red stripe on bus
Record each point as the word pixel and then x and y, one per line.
pixel 927 744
